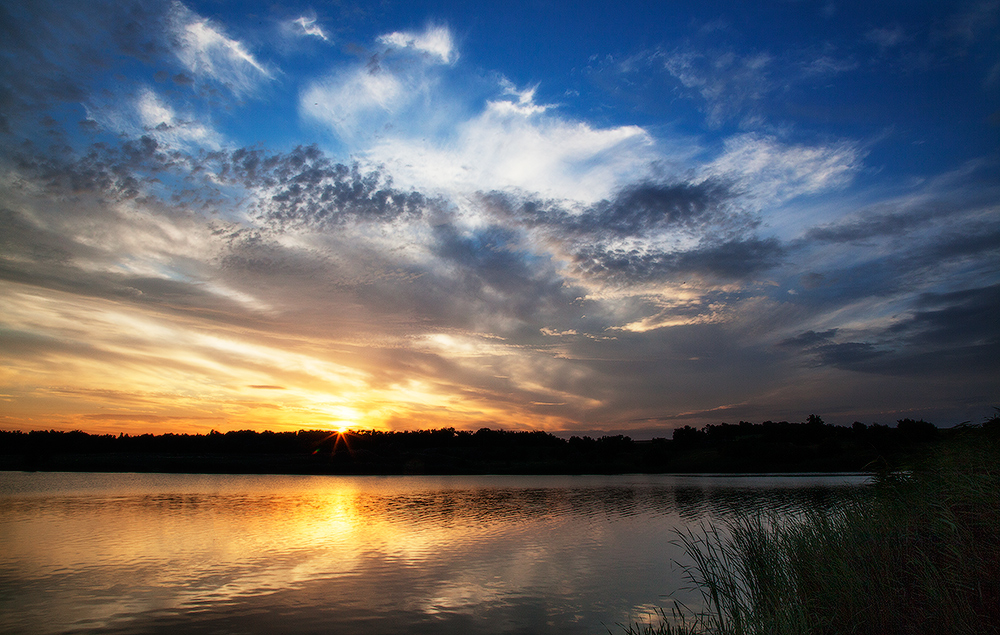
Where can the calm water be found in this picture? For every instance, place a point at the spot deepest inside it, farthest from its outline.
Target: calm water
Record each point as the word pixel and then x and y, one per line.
pixel 142 553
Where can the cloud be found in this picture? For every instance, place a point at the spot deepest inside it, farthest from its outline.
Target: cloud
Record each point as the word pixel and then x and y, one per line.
pixel 729 260
pixel 952 332
pixel 486 254
pixel 644 209
pixel 115 173
pixel 389 92
pixel 963 318
pixel 772 172
pixel 435 133
pixel 518 144
pixel 160 120
pixel 956 202
pixel 54 50
pixel 303 188
pixel 207 52
pixel 851 355
pixel 144 112
pixel 871 224
pixel 434 41
pixel 748 88
pixel 826 65
pixel 864 265
pixel 730 84
pixel 357 102
pixel 306 25
pixel 973 21
pixel 808 339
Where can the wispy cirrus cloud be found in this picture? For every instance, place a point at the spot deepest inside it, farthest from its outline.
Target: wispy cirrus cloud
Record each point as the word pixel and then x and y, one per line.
pixel 729 84
pixel 208 53
pixel 357 103
pixel 773 172
pixel 433 41
pixel 308 25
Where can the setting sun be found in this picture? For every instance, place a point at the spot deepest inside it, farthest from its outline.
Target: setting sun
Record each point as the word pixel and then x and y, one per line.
pixel 340 427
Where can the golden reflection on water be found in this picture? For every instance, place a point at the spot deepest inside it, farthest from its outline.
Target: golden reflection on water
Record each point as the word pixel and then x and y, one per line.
pixel 108 551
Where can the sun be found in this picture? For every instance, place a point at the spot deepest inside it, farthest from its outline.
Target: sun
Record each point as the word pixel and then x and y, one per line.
pixel 340 427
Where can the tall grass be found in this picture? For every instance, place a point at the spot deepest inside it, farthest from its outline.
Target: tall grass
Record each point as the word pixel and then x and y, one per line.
pixel 918 554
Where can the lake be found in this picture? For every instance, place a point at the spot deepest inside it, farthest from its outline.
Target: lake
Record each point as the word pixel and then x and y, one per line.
pixel 158 553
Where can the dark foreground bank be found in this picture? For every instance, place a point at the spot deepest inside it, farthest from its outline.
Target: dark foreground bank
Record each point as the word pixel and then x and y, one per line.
pixel 745 447
pixel 919 555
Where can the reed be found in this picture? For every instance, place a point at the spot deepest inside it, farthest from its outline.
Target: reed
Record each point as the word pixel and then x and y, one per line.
pixel 918 553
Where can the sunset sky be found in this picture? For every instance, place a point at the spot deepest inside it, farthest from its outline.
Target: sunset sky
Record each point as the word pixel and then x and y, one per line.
pixel 577 217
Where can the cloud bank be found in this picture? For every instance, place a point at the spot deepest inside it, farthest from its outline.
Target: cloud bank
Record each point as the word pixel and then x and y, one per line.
pixel 437 245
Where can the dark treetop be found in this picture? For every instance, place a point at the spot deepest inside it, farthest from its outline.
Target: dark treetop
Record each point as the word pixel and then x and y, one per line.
pixel 770 446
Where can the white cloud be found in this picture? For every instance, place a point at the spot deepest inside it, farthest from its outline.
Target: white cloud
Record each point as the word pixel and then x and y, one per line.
pixel 205 51
pixel 773 172
pixel 307 26
pixel 408 118
pixel 152 111
pixel 435 41
pixel 148 114
pixel 160 120
pixel 356 102
pixel 515 144
pixel 392 90
pixel 525 104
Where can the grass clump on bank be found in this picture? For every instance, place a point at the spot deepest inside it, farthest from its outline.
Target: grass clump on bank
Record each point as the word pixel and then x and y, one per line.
pixel 918 554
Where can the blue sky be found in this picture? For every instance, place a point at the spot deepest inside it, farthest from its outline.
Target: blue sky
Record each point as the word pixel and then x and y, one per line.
pixel 573 217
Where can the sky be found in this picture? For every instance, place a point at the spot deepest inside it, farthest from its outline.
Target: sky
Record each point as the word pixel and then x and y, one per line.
pixel 584 218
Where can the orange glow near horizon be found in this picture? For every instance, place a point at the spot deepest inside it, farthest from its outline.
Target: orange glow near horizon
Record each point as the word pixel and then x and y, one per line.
pixel 141 370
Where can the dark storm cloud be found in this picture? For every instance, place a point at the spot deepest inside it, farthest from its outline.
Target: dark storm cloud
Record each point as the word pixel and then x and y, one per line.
pixel 636 210
pixel 305 188
pixel 957 202
pixel 945 332
pixel 299 188
pixel 904 246
pixel 965 317
pixel 641 209
pixel 873 224
pixel 728 247
pixel 736 259
pixel 974 239
pixel 808 339
pixel 732 260
pixel 849 355
pixel 494 269
pixel 115 172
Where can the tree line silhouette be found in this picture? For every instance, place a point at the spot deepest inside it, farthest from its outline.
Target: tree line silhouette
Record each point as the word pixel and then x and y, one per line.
pixel 812 446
